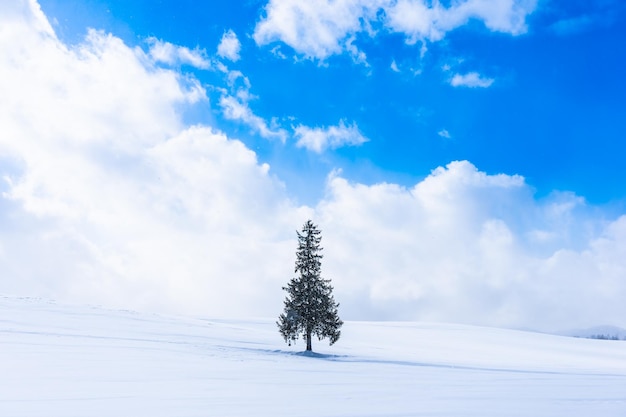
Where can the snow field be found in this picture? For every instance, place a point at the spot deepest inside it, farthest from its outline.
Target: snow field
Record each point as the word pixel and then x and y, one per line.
pixel 58 360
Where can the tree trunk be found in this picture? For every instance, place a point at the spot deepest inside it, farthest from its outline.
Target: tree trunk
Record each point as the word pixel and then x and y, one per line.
pixel 308 342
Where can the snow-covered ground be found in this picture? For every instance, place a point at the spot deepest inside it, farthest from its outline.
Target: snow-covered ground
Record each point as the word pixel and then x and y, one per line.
pixel 58 360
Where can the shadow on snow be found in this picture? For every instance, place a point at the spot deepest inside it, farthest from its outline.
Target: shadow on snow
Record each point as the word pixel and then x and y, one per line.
pixel 377 361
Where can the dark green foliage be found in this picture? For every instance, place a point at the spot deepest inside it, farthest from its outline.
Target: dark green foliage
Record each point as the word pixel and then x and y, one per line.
pixel 310 307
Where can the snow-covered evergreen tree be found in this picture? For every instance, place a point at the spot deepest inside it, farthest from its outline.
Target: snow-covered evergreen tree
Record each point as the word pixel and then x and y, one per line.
pixel 310 308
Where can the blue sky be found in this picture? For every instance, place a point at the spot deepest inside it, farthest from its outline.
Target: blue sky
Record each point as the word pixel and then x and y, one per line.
pixel 462 158
pixel 554 111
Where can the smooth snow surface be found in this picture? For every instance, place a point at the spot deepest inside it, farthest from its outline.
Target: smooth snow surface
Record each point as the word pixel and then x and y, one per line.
pixel 67 361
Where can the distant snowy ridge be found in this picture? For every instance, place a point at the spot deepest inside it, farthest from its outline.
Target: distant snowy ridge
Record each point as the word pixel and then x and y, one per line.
pixel 599 332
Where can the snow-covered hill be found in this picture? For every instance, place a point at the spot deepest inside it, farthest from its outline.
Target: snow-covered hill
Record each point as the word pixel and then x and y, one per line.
pixel 58 360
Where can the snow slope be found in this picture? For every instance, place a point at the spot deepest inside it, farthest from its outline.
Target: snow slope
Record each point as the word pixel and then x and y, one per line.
pixel 58 360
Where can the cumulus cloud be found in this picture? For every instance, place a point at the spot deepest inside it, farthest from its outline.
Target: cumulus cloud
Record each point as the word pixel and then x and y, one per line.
pixel 321 28
pixel 471 79
pixel 317 28
pixel 461 246
pixel 171 54
pixel 319 139
pixel 109 197
pixel 229 46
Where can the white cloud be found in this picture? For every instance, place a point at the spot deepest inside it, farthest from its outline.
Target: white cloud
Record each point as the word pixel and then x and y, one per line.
pixel 321 28
pixel 234 102
pixel 455 247
pixel 444 134
pixel 317 28
pixel 110 198
pixel 319 139
pixel 277 52
pixel 416 19
pixel 171 54
pixel 420 20
pixel 394 66
pixel 229 46
pixel 471 79
pixel 235 108
pixel 358 56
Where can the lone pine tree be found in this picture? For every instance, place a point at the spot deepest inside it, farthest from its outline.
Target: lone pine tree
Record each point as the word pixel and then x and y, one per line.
pixel 310 307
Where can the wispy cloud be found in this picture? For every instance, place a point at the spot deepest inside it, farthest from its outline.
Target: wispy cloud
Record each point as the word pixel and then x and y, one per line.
pixel 319 139
pixel 444 134
pixel 234 102
pixel 472 80
pixel 596 14
pixel 171 54
pixel 394 66
pixel 236 109
pixel 573 25
pixel 229 47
